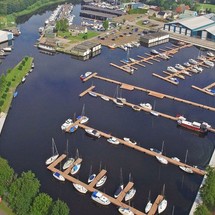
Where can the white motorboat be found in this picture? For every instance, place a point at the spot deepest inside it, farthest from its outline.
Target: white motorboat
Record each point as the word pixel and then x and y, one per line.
pixel 85 75
pixel 125 211
pixel 179 66
pixel 101 181
pixel 148 206
pixel 187 64
pixel 153 51
pixel 201 57
pixel 46 48
pixel 132 60
pixel 129 69
pixel 162 160
pixel 80 188
pixel 92 132
pixel 129 140
pixel 121 99
pixel 66 124
pixel 136 108
pixel 118 102
pixel 192 61
pixel 23 79
pixel 105 98
pixel 210 54
pixel 155 150
pixel 68 163
pixel 91 178
pixel 194 70
pixel 75 169
pixel 163 56
pixel 186 73
pixel 200 69
pixel 58 176
pixel 130 194
pixel 171 69
pixel 162 206
pixel 146 105
pixel 98 197
pixel 174 80
pixel 186 169
pixel 7 49
pixel 92 94
pixel 55 154
pixel 113 140
pixel 118 191
pixel 84 119
pixel 175 158
pixel 209 63
pixel 154 113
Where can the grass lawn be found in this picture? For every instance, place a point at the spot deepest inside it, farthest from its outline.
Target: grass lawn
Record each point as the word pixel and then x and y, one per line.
pixel 140 23
pixel 7 21
pixel 78 38
pixel 4 209
pixel 206 6
pixel 12 79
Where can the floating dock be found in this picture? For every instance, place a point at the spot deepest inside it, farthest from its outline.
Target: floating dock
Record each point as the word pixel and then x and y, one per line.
pixel 205 89
pixel 151 92
pixel 90 187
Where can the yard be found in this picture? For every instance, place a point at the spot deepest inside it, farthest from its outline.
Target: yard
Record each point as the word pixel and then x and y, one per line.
pixel 206 6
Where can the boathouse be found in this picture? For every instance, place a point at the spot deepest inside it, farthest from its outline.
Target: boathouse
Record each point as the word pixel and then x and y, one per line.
pixel 200 27
pixel 5 36
pixel 154 39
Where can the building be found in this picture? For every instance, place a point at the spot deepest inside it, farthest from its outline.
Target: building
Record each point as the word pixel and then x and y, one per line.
pixel 199 27
pixel 161 15
pixel 154 39
pixel 5 36
pixel 188 14
pixel 77 29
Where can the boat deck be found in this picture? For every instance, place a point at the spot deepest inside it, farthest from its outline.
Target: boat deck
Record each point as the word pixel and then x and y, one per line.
pixel 205 89
pixel 154 93
pixel 147 151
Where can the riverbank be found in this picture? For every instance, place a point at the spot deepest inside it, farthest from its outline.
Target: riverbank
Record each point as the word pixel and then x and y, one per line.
pixel 4 209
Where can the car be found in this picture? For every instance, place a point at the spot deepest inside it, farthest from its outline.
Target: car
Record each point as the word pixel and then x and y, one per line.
pixel 146 22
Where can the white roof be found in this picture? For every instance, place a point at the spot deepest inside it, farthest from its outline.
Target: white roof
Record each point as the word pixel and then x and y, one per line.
pixel 195 22
pixel 211 29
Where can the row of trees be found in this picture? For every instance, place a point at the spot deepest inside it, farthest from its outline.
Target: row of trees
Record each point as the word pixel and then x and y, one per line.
pixel 207 193
pixel 22 193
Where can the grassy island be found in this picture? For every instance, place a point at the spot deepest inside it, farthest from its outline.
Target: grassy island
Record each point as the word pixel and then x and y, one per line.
pixel 10 81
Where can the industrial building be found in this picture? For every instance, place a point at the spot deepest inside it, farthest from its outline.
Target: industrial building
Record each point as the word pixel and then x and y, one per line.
pixel 199 27
pixel 5 36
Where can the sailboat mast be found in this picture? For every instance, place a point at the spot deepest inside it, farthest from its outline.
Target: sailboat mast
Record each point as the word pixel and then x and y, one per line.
pixel 185 161
pixel 162 146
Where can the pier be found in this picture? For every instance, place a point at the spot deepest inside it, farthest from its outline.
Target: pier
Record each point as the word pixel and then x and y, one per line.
pixel 118 202
pixel 151 92
pixel 205 89
pixel 155 205
pixel 168 52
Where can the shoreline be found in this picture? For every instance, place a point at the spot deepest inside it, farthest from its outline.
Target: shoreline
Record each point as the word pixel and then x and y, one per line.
pixel 198 199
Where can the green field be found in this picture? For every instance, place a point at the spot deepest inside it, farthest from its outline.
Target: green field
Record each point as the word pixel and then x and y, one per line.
pixel 206 6
pixel 4 209
pixel 79 37
pixel 7 21
pixel 11 80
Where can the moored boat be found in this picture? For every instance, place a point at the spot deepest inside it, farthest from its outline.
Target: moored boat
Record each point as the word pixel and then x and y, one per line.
pixel 66 124
pixel 100 198
pixel 73 128
pixel 192 61
pixel 118 191
pixel 171 69
pixel 101 181
pixel 175 158
pixel 54 154
pixel 163 56
pixel 187 64
pixel 209 63
pixel 155 150
pixel 162 206
pixel 118 102
pixel 105 98
pixel 162 160
pixel 210 54
pixel 84 119
pixel 186 169
pixel 23 79
pixel 7 49
pixel 68 163
pixel 130 194
pixel 80 188
pixel 154 113
pixel 58 176
pixel 85 75
pixel 148 206
pixel 146 105
pixel 174 80
pixel 125 211
pixel 92 94
pixel 15 94
pixel 153 51
pixel 179 66
pixel 113 140
pixel 91 178
pixel 92 132
pixel 46 48
pixel 200 69
pixel 75 169
pixel 129 140
pixel 136 108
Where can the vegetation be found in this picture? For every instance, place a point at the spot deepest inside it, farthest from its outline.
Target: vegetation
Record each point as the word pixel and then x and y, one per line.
pixel 11 80
pixel 21 193
pixel 209 8
pixel 62 25
pixel 106 24
pixel 137 11
pixel 80 37
pixel 207 193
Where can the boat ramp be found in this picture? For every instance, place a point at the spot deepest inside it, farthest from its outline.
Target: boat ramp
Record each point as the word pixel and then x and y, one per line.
pixel 150 92
pixel 90 187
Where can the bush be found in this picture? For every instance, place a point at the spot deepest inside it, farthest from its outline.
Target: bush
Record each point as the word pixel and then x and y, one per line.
pixel 6 90
pixel 1 102
pixel 9 70
pixel 8 83
pixel 20 67
pixel 4 96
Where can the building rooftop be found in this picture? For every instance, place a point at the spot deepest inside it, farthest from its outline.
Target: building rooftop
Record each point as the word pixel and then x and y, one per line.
pixel 95 13
pixel 155 35
pixel 211 29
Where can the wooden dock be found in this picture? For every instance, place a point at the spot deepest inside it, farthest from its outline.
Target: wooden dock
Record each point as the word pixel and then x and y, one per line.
pixel 154 93
pixel 155 205
pixel 125 190
pixel 205 89
pixel 98 177
pixel 149 58
pixel 87 90
pixel 52 167
pixel 146 151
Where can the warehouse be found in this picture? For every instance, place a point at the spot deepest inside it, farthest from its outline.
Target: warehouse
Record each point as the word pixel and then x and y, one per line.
pixel 5 36
pixel 200 27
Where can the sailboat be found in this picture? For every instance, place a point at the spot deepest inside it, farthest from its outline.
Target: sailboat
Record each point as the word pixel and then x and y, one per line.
pixel 121 186
pixel 70 160
pixel 127 60
pixel 91 176
pixel 55 153
pixel 163 204
pixel 76 167
pixel 130 194
pixel 84 119
pixel 186 168
pixel 73 128
pixel 118 101
pixel 149 204
pixel 161 159
pixel 153 112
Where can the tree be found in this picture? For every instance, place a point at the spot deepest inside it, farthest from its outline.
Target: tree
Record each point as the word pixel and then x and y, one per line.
pixel 62 25
pixel 105 24
pixel 59 207
pixel 41 204
pixel 22 192
pixel 6 176
pixel 202 210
